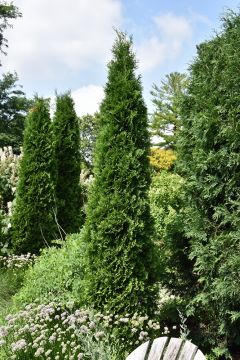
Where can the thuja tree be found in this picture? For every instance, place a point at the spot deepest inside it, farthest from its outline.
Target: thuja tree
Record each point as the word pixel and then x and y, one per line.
pixel 118 227
pixel 33 222
pixel 209 153
pixel 66 140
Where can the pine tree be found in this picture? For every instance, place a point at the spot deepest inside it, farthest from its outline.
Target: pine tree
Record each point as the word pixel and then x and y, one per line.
pixel 209 159
pixel 118 227
pixel 66 139
pixel 166 122
pixel 33 220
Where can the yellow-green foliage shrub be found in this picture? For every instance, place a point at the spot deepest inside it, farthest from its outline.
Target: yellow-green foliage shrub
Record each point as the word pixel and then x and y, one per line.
pixel 162 159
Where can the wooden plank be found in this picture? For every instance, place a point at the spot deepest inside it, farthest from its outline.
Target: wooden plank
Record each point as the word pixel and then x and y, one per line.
pixel 157 348
pixel 139 353
pixel 199 356
pixel 188 351
pixel 172 349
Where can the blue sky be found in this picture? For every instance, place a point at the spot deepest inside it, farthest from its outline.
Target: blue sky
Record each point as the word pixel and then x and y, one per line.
pixel 65 45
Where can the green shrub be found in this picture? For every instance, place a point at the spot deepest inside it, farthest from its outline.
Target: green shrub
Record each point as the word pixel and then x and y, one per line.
pixel 12 270
pixel 11 282
pixel 57 275
pixel 168 208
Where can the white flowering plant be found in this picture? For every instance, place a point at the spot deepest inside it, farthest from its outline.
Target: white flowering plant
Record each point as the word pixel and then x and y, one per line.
pixel 17 262
pixel 9 167
pixel 58 331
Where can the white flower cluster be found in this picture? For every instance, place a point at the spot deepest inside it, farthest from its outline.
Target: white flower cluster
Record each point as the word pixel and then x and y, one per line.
pixel 18 261
pixel 57 331
pixel 9 164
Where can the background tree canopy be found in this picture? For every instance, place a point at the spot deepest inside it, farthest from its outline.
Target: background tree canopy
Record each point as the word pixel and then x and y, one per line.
pixel 7 11
pixel 165 121
pixel 13 110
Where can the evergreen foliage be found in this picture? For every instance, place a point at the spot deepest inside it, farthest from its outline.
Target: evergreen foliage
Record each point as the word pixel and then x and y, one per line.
pixel 168 208
pixel 88 133
pixel 166 118
pixel 66 139
pixel 33 220
pixel 162 159
pixel 118 228
pixel 209 154
pixel 58 274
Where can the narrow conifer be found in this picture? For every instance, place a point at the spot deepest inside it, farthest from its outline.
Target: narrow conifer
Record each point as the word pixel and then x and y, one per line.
pixel 33 220
pixel 67 150
pixel 118 228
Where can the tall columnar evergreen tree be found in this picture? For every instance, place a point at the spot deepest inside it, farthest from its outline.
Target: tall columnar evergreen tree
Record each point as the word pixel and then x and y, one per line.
pixel 119 226
pixel 33 222
pixel 209 153
pixel 66 140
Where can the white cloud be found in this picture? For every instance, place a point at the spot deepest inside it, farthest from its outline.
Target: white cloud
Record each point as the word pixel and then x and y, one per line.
pixel 57 34
pixel 87 99
pixel 170 34
pixel 173 27
pixel 151 53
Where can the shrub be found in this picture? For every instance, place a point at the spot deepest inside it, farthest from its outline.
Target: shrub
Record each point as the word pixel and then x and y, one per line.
pixel 9 164
pixel 57 275
pixel 162 159
pixel 12 270
pixel 168 208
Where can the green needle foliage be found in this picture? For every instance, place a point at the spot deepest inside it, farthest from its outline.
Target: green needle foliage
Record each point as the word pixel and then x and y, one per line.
pixel 33 220
pixel 166 122
pixel 209 153
pixel 67 139
pixel 119 226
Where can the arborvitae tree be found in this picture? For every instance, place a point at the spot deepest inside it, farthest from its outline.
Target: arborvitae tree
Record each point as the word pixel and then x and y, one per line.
pixel 33 222
pixel 118 229
pixel 66 140
pixel 209 156
pixel 165 121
